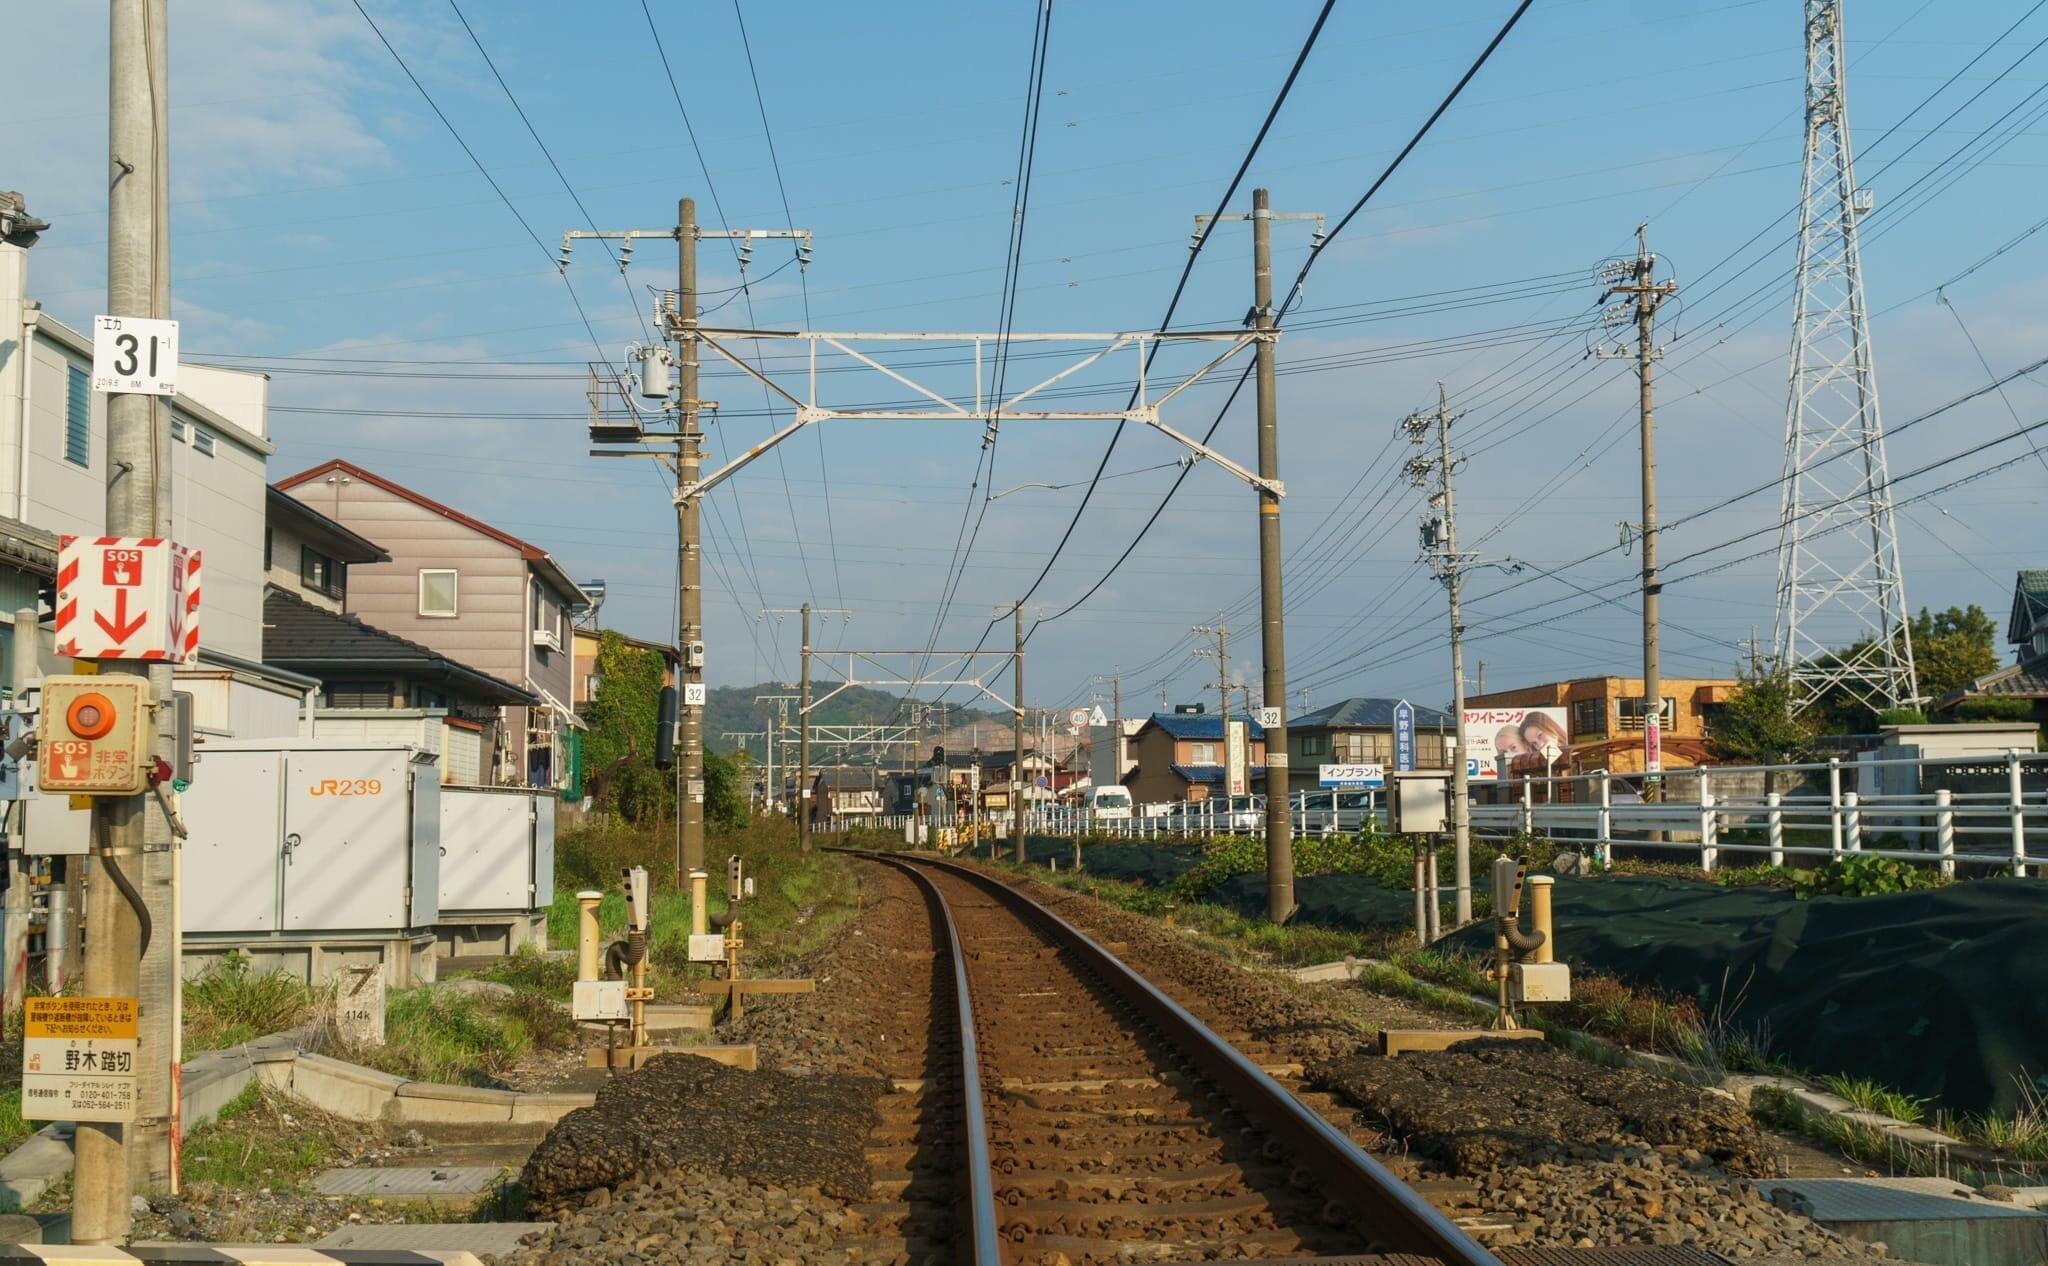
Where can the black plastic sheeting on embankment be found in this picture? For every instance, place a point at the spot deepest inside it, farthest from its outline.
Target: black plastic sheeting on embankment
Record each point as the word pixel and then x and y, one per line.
pixel 1153 865
pixel 1942 994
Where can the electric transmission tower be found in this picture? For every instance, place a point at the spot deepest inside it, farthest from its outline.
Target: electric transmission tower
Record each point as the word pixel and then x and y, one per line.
pixel 1841 597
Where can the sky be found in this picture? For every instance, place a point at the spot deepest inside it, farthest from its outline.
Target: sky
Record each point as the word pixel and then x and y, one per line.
pixel 329 229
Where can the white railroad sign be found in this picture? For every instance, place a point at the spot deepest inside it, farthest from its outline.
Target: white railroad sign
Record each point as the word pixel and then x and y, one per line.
pixel 127 597
pixel 135 355
pixel 78 1059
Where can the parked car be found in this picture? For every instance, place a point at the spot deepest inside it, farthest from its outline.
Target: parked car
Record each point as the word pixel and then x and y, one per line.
pixel 1108 804
pixel 1317 814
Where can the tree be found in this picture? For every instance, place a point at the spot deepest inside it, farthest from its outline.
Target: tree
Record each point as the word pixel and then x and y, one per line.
pixel 1950 648
pixel 1953 648
pixel 619 749
pixel 725 797
pixel 1757 725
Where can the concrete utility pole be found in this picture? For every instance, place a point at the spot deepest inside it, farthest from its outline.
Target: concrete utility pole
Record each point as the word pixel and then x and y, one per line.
pixel 1443 547
pixel 803 739
pixel 689 563
pixel 114 1159
pixel 1272 632
pixel 1116 719
pixel 1017 737
pixel 1641 295
pixel 1221 632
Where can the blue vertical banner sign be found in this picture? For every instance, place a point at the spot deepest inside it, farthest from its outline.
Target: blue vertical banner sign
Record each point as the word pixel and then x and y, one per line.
pixel 1404 735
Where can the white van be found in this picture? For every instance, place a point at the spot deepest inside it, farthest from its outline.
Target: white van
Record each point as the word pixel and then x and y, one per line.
pixel 1109 804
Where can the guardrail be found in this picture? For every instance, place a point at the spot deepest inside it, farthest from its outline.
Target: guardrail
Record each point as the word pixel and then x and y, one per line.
pixel 1994 815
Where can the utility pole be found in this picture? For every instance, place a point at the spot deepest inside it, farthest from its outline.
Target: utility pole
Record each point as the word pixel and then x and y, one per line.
pixel 1017 736
pixel 1640 297
pixel 1440 549
pixel 1116 733
pixel 113 1159
pixel 803 739
pixel 689 565
pixel 1272 628
pixel 680 325
pixel 1221 632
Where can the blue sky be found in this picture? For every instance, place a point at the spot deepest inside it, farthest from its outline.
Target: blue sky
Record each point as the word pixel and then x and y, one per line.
pixel 327 228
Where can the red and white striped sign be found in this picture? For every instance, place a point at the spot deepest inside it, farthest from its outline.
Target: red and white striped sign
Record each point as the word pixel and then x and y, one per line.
pixel 127 597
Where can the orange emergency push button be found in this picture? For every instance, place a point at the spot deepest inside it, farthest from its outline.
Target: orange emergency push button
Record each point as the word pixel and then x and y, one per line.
pixel 90 716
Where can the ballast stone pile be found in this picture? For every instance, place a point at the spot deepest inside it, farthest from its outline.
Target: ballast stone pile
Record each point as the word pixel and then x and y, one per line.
pixel 1491 1102
pixel 682 1112
pixel 699 1217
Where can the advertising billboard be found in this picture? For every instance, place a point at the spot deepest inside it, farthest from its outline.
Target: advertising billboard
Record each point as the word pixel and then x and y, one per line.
pixel 1495 736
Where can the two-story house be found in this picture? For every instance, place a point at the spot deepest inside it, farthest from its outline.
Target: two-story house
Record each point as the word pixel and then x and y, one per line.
pixel 372 683
pixel 1181 756
pixel 1361 732
pixel 476 595
pixel 2025 682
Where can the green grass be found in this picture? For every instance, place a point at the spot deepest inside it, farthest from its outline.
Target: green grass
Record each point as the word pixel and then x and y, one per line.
pixel 529 969
pixel 455 1038
pixel 232 1003
pixel 1872 1097
pixel 261 1138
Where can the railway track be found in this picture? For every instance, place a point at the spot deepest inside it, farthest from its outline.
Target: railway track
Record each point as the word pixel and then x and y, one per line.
pixel 1071 1111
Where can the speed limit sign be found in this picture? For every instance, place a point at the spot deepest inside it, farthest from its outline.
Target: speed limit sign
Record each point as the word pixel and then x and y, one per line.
pixel 135 354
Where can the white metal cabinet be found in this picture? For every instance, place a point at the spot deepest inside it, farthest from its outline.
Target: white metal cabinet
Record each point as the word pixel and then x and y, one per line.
pixel 497 849
pixel 236 821
pixel 347 852
pixel 425 873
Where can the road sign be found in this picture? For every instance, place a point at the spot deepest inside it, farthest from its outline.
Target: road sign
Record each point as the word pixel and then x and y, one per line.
pixel 1098 717
pixel 1236 759
pixel 78 1059
pixel 135 355
pixel 1078 718
pixel 693 694
pixel 1404 735
pixel 127 597
pixel 1352 777
pixel 1268 718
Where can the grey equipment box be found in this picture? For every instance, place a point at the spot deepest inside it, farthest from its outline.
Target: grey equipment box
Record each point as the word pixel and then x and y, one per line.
pixel 1418 801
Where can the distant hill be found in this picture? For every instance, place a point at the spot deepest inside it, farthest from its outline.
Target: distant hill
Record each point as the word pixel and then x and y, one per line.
pixel 731 709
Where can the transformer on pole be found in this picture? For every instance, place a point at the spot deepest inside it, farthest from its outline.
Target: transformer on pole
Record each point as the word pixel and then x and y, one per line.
pixel 1842 618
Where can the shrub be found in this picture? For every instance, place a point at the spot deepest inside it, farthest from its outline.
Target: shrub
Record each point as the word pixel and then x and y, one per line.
pixel 231 1003
pixel 1862 875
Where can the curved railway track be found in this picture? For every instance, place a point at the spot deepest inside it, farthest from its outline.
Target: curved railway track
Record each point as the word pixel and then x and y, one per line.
pixel 1090 1118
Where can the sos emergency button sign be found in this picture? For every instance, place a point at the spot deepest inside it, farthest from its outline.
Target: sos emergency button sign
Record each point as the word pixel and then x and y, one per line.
pixel 93 733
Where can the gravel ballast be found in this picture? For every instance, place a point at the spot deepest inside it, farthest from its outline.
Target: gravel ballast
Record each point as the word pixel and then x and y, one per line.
pixel 1470 1107
pixel 683 1112
pixel 695 1216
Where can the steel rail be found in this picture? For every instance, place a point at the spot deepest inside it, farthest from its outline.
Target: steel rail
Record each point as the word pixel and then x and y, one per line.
pixel 981 1196
pixel 1399 1220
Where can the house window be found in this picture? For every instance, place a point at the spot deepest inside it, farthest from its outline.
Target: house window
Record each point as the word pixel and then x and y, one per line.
pixel 1631 713
pixel 318 572
pixel 77 417
pixel 590 681
pixel 202 442
pixel 428 697
pixel 178 429
pixel 269 547
pixel 1313 745
pixel 357 694
pixel 1201 753
pixel 1589 716
pixel 536 606
pixel 438 592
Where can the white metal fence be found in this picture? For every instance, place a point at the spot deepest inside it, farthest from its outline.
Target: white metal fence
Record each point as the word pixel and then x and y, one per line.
pixel 1987 812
